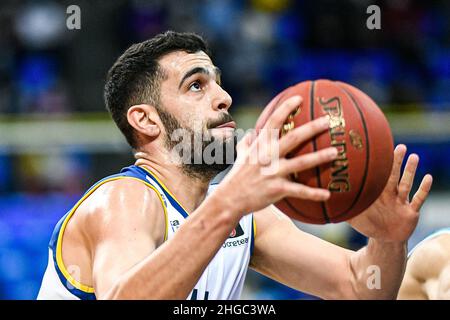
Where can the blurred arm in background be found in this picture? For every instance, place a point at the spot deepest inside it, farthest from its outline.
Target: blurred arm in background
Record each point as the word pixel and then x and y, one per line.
pixel 427 275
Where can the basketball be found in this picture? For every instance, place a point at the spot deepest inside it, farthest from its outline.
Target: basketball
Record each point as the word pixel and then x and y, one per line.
pixel 360 132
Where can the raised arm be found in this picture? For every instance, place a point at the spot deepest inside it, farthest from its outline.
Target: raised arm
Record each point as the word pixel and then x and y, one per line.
pixel 309 264
pixel 298 259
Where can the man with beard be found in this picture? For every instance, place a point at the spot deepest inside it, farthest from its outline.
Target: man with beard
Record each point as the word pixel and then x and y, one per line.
pixel 152 232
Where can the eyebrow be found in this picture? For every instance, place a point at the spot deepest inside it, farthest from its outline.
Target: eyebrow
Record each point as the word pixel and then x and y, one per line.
pixel 202 70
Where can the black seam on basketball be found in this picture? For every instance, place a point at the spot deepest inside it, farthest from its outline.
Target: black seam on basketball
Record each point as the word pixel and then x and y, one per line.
pixel 366 168
pixel 319 183
pixel 310 219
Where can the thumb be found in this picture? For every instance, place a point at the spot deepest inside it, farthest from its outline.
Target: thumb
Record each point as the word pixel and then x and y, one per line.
pixel 268 110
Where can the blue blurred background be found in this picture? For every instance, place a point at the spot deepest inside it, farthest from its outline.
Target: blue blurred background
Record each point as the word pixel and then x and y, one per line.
pixel 56 138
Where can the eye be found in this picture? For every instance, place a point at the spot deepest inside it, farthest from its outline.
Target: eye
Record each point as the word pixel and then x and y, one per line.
pixel 195 86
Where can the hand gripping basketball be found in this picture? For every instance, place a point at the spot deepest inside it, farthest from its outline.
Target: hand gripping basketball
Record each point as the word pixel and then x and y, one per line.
pixel 257 182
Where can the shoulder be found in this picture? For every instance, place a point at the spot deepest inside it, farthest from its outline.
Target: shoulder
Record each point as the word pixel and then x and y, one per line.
pixel 119 206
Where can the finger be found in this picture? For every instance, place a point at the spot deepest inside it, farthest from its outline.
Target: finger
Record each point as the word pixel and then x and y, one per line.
pixel 300 191
pixel 399 155
pixel 268 110
pixel 307 161
pixel 422 193
pixel 406 182
pixel 302 134
pixel 279 116
pixel 247 139
pixel 245 142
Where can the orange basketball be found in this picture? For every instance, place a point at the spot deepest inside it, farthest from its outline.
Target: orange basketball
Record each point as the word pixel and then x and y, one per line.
pixel 360 132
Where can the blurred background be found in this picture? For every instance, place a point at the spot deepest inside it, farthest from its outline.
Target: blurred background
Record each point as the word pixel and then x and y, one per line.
pixel 56 138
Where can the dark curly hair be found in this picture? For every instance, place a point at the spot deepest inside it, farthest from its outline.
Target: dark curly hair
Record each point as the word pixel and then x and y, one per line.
pixel 136 76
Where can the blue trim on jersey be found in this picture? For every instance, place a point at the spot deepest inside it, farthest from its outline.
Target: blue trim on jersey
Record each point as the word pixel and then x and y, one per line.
pixel 125 172
pixel 76 292
pixel 172 201
pixel 432 235
pixel 53 242
pixel 55 234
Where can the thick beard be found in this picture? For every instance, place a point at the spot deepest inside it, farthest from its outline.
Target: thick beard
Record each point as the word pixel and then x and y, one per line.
pixel 197 167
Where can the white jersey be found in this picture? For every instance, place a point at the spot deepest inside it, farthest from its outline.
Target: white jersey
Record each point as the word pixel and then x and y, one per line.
pixel 431 236
pixel 223 278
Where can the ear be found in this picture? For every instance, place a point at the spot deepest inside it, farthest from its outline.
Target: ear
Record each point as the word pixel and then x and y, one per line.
pixel 144 119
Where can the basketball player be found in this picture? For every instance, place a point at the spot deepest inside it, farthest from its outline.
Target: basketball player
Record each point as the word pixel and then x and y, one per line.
pixel 427 275
pixel 154 231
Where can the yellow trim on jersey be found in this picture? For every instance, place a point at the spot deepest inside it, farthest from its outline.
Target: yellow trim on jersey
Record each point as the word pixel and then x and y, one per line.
pixel 59 260
pixel 254 227
pixel 164 187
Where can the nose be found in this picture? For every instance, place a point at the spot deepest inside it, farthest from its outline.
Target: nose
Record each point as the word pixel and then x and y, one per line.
pixel 222 100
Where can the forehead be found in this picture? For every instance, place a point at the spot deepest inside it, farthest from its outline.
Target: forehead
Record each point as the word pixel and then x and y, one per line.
pixel 178 62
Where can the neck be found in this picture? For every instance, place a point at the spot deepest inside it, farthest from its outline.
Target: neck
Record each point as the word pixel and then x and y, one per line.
pixel 189 190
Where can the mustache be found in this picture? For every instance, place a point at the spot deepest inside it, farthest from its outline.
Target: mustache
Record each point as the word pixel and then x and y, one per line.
pixel 222 119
